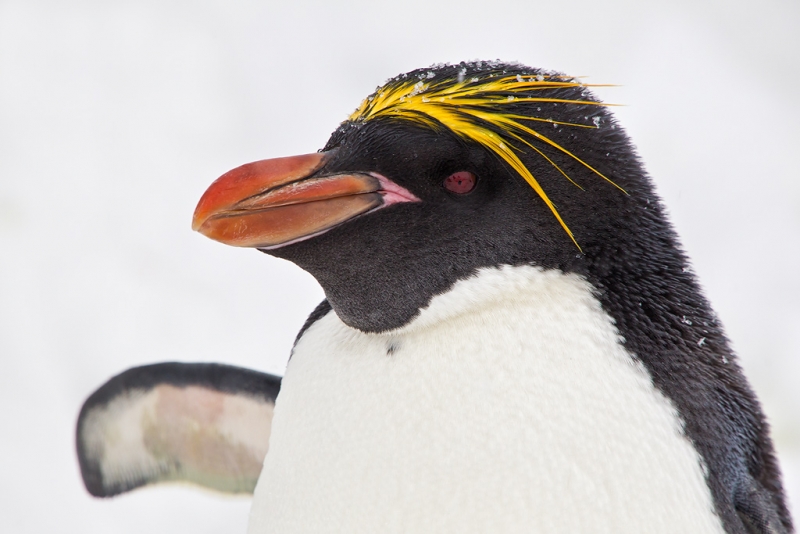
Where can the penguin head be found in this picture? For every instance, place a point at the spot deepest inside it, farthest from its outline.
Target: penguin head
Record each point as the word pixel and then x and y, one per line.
pixel 439 173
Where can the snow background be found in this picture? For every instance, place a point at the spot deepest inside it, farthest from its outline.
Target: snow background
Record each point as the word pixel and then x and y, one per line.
pixel 116 115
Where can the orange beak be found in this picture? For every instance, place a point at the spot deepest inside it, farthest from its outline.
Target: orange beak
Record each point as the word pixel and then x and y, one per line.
pixel 275 202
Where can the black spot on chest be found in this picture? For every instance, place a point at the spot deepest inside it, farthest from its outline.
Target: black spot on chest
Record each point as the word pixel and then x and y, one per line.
pixel 392 347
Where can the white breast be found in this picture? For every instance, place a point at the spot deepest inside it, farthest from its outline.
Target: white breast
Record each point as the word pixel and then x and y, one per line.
pixel 508 405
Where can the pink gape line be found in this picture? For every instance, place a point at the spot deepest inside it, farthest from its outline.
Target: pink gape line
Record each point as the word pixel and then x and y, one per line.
pixel 391 193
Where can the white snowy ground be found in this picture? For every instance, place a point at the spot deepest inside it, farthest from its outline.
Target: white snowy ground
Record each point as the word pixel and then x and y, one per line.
pixel 115 116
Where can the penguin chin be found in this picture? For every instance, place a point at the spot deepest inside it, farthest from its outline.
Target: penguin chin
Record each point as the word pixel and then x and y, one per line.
pixel 358 281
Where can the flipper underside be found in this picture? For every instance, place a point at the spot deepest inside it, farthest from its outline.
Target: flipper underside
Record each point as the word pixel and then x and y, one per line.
pixel 207 424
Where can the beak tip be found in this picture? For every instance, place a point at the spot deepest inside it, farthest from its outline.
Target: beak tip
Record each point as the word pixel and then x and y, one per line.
pixel 198 219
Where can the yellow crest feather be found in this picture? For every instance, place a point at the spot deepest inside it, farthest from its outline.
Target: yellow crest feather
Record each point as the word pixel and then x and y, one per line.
pixel 468 107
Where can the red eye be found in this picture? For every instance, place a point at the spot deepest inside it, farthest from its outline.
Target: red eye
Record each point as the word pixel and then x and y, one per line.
pixel 460 182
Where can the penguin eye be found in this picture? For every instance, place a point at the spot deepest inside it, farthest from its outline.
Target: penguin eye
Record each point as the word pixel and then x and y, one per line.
pixel 461 182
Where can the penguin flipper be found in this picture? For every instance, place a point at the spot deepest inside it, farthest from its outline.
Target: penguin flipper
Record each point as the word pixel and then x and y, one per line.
pixel 203 423
pixel 757 510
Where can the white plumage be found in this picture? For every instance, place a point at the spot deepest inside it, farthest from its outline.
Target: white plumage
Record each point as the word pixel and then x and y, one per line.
pixel 507 405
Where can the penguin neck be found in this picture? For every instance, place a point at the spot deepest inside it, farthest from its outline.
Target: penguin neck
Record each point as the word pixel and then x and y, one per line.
pixel 492 289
